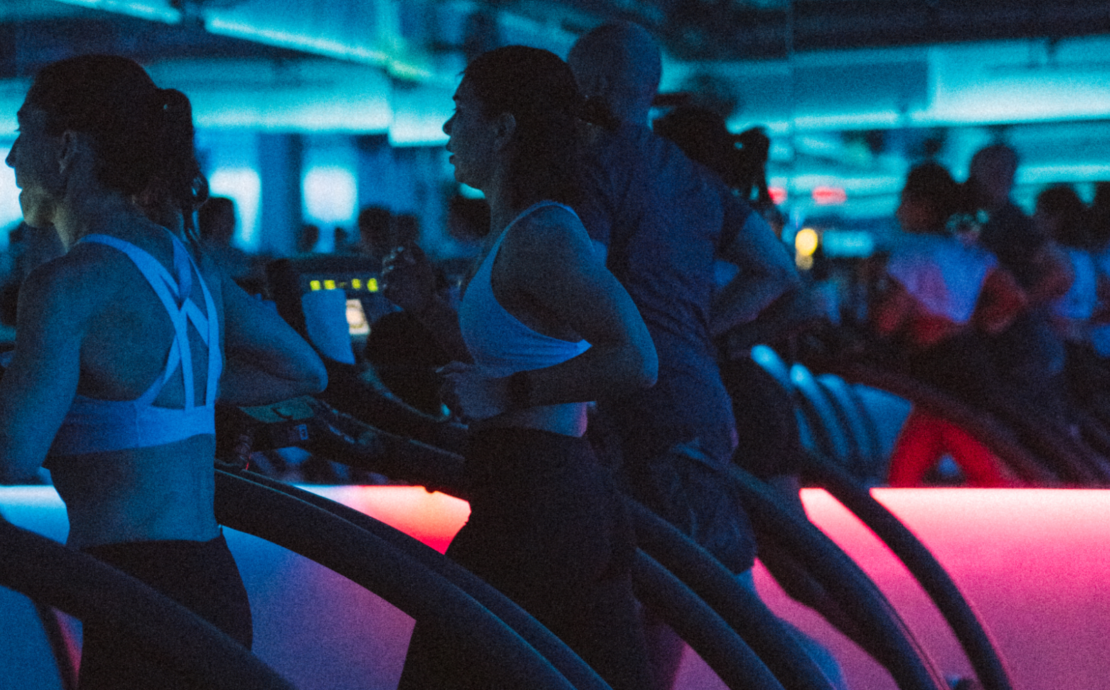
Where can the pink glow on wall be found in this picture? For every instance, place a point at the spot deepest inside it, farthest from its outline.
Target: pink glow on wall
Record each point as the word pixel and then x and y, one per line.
pixel 1034 564
pixel 433 518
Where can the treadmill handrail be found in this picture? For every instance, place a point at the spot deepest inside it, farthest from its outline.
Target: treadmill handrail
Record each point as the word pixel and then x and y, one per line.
pixel 726 652
pixel 379 566
pixel 715 641
pixel 799 667
pixel 889 621
pixel 960 615
pixel 719 588
pixel 86 588
pixel 734 639
pixel 555 650
pixel 906 660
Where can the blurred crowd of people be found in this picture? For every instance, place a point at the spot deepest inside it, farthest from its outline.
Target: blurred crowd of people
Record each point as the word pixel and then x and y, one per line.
pixel 993 306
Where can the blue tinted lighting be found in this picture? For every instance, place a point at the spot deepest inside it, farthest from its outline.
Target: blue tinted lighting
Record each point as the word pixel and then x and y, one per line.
pixel 157 11
pixel 10 212
pixel 245 187
pixel 330 195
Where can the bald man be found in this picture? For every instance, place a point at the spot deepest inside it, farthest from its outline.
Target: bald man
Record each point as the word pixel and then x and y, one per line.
pixel 663 221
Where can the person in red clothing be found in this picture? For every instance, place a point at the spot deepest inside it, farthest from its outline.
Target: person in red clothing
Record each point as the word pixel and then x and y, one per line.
pixel 941 291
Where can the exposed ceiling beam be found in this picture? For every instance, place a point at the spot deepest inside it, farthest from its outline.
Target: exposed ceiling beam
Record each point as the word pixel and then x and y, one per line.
pixel 770 29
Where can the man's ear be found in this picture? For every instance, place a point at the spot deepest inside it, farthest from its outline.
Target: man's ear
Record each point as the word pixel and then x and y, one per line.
pixel 70 146
pixel 594 84
pixel 505 128
pixel 601 87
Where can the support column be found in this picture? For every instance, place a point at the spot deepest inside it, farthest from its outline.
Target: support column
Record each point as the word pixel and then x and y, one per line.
pixel 279 168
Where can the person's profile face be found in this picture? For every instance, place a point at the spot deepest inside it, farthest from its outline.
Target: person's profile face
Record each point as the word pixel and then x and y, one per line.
pixel 471 139
pixel 37 174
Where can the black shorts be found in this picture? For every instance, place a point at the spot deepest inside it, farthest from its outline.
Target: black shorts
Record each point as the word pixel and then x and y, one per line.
pixel 201 576
pixel 548 529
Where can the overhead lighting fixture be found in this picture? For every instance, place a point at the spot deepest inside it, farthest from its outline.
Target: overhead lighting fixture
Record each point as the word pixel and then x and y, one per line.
pixel 829 196
pixel 320 46
pixel 154 11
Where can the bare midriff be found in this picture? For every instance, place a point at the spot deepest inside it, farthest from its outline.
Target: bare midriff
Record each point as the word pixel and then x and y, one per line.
pixel 159 493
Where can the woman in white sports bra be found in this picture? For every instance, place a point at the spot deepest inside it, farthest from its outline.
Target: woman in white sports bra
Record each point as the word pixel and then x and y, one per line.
pixel 124 343
pixel 542 329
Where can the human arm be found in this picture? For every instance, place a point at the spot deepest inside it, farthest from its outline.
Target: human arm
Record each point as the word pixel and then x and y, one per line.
pixel 766 273
pixel 549 276
pixel 40 381
pixel 266 361
pixel 1000 301
pixel 1054 275
pixel 409 282
pixel 891 310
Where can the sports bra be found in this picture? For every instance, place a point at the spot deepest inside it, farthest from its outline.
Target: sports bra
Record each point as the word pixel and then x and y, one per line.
pixel 96 426
pixel 498 341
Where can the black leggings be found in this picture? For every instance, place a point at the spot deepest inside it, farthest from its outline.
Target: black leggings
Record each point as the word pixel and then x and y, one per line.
pixel 201 576
pixel 548 529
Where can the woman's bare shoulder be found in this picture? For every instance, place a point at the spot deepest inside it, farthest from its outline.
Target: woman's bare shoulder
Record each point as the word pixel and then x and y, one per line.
pixel 66 291
pixel 78 271
pixel 96 270
pixel 551 244
pixel 553 215
pixel 84 281
pixel 550 227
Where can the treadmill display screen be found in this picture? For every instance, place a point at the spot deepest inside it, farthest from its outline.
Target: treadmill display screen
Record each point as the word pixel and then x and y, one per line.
pixel 368 284
pixel 357 323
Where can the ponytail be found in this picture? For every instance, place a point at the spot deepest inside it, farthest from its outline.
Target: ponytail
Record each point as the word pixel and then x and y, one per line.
pixel 177 183
pixel 143 135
